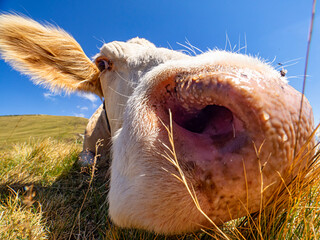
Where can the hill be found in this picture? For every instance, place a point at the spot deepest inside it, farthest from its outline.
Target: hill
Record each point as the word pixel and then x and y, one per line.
pixel 23 127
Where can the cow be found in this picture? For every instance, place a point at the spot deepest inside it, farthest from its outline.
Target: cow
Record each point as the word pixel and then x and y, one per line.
pixel 228 122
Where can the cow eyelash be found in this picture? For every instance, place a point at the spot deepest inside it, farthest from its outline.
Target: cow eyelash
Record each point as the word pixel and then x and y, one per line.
pixel 103 64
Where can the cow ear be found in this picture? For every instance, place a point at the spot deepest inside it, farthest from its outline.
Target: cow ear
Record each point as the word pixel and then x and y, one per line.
pixel 48 54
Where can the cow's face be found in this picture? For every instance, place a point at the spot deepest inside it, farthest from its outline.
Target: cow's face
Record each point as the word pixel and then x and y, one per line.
pixel 122 66
pixel 234 120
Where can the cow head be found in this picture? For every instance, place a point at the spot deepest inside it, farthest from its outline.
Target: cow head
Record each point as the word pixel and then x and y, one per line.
pixel 234 122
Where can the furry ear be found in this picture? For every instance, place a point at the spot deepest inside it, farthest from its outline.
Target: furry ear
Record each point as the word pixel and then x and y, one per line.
pixel 48 54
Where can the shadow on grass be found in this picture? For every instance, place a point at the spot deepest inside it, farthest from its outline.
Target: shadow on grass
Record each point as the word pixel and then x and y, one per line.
pixel 42 180
pixel 74 207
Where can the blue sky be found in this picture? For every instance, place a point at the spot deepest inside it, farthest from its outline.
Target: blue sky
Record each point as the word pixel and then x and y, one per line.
pixel 274 30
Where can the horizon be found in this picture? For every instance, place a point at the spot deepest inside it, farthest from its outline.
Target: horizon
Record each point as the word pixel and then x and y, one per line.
pixel 18 115
pixel 275 31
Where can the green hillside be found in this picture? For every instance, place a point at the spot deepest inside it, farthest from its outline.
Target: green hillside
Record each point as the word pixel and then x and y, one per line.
pixel 21 128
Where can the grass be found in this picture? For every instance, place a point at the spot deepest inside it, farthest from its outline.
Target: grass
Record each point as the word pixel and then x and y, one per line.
pixel 20 128
pixel 45 194
pixel 18 222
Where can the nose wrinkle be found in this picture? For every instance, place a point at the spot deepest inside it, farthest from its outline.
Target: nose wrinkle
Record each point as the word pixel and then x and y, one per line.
pixel 205 89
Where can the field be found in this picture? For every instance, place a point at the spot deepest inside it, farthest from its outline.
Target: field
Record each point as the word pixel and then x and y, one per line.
pixel 45 194
pixel 22 128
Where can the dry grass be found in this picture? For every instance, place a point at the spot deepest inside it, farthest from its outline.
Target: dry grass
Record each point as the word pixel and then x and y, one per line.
pixel 37 161
pixel 19 222
pixel 44 194
pixel 26 172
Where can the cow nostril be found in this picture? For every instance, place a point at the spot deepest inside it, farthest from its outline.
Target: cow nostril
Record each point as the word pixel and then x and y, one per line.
pixel 213 120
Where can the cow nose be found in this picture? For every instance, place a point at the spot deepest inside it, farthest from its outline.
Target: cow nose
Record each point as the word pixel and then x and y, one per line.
pixel 212 107
pixel 213 120
pixel 230 108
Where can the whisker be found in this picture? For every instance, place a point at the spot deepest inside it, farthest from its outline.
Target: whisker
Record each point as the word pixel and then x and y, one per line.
pixel 292 60
pixel 190 49
pixel 193 47
pixel 286 66
pixel 274 59
pixel 239 50
pixel 118 92
pixel 114 120
pixel 298 77
pixel 122 105
pixel 227 43
pixel 239 44
pixel 126 80
pixel 100 40
pixel 169 45
pixel 189 44
pixel 245 43
pixel 234 48
pixel 185 52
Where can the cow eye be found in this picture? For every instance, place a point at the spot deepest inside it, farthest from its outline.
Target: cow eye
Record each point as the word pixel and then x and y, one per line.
pixel 103 64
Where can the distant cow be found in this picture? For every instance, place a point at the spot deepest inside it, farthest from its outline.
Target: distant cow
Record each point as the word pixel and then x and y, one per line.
pixel 234 122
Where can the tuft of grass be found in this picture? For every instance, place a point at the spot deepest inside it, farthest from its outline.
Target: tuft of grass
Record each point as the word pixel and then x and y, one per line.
pixel 293 212
pixel 48 167
pixel 18 221
pixel 37 161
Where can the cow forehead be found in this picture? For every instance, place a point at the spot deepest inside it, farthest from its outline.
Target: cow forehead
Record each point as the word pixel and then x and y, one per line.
pixel 138 52
pixel 118 50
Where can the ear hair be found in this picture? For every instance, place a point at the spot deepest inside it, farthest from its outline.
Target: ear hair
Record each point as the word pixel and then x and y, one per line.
pixel 48 54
